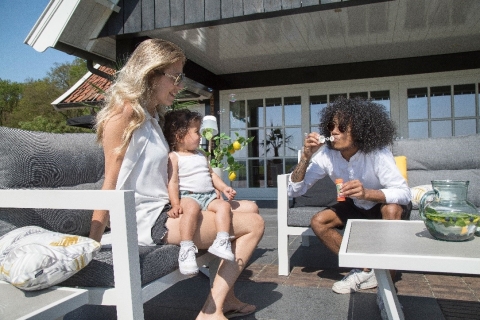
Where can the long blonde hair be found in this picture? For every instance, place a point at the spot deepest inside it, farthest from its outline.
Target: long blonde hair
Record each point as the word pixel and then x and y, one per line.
pixel 133 85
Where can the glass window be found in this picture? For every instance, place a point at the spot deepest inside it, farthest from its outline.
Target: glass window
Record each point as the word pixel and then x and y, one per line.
pixel 440 102
pixel 293 141
pixel 465 127
pixel 440 113
pixel 274 143
pixel 418 130
pixel 317 104
pixel 255 113
pixel 256 173
pixel 273 112
pixel 254 148
pixel 293 110
pixel 237 114
pixel 464 100
pixel 417 103
pixel 381 97
pixel 441 129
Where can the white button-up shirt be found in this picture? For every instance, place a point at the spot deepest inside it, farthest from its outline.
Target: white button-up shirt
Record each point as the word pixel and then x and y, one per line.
pixel 376 170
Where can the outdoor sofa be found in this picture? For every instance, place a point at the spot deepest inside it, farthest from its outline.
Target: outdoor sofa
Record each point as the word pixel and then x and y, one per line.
pixel 44 177
pixel 452 158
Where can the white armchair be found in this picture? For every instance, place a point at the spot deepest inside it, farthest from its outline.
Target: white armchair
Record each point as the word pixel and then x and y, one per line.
pixel 41 174
pixel 128 295
pixel 284 230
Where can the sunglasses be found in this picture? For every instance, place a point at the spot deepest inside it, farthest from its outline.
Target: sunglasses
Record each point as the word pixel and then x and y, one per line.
pixel 341 127
pixel 177 79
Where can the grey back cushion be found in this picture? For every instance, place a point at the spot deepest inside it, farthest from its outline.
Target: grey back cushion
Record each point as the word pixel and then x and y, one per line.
pixel 49 161
pixel 452 158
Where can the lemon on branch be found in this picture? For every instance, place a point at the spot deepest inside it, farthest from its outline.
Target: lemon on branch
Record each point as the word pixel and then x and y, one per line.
pixel 232 175
pixel 236 145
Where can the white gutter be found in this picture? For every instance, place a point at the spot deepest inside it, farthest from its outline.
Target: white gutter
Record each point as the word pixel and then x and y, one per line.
pixel 50 25
pixel 72 89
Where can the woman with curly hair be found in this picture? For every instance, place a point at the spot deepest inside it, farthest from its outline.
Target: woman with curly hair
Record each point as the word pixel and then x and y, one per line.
pixel 373 187
pixel 129 127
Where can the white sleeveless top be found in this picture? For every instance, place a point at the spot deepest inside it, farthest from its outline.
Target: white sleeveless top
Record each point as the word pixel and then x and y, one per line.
pixel 144 170
pixel 194 173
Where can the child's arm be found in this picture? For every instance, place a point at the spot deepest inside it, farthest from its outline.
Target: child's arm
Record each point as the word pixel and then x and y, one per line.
pixel 173 188
pixel 222 186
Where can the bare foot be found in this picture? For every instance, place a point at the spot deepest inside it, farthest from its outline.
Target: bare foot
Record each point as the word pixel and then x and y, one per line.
pixel 203 315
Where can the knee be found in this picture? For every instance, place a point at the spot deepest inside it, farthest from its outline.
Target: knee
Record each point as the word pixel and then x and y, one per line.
pixel 391 211
pixel 319 222
pixel 225 207
pixel 258 224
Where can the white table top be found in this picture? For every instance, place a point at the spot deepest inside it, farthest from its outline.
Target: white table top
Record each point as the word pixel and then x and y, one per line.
pixel 50 303
pixel 405 245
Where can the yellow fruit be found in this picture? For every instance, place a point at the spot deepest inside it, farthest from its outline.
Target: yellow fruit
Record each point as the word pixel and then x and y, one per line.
pixel 237 145
pixel 232 175
pixel 232 151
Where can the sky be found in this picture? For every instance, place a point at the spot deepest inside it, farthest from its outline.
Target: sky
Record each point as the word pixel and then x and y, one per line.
pixel 19 61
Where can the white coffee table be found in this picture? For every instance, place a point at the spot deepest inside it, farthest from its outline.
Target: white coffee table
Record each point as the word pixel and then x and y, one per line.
pixel 385 245
pixel 50 303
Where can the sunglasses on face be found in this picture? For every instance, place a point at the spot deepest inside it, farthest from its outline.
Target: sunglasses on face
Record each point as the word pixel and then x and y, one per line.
pixel 177 79
pixel 341 127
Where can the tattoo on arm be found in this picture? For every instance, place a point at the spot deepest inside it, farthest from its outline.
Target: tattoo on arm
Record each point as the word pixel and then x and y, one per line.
pixel 299 173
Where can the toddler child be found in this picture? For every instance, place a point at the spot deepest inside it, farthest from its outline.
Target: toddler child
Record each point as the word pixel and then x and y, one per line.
pixel 192 184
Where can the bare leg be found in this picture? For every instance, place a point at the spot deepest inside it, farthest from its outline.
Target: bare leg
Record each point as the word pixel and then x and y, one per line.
pixel 243 206
pixel 223 215
pixel 191 211
pixel 248 230
pixel 323 224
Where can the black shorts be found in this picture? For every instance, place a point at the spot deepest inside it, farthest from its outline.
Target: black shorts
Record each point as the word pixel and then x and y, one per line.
pixel 159 230
pixel 348 210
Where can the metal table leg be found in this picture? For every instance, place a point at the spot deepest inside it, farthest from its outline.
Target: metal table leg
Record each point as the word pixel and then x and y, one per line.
pixel 387 292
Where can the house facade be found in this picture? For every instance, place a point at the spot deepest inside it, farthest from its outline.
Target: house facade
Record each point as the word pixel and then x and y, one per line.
pixel 272 65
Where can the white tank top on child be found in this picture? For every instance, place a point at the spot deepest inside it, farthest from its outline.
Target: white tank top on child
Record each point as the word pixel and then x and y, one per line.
pixel 194 173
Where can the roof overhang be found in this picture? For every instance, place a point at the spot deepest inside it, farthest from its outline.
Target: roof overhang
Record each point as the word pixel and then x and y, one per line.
pixel 72 26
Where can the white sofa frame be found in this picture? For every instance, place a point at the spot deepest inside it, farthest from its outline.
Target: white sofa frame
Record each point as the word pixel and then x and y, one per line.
pixel 128 295
pixel 284 230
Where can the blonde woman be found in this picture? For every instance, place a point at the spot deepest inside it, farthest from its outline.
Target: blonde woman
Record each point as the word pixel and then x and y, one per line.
pixel 136 158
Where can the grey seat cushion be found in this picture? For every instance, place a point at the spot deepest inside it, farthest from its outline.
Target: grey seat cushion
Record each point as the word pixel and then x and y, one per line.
pixel 322 194
pixel 155 262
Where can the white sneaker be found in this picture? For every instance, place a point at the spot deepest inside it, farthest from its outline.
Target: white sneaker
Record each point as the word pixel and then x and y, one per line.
pixel 187 260
pixel 355 280
pixel 222 248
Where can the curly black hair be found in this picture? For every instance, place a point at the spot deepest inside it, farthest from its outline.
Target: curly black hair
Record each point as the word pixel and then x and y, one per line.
pixel 370 125
pixel 177 123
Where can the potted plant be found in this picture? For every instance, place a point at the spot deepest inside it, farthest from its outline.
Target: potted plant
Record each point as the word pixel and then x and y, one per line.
pixel 221 154
pixel 274 140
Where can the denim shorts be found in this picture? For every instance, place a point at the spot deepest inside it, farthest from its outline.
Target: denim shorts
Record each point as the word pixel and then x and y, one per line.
pixel 159 229
pixel 203 198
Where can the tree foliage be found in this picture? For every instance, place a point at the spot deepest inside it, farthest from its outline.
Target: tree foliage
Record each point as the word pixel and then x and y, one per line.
pixel 10 95
pixel 29 104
